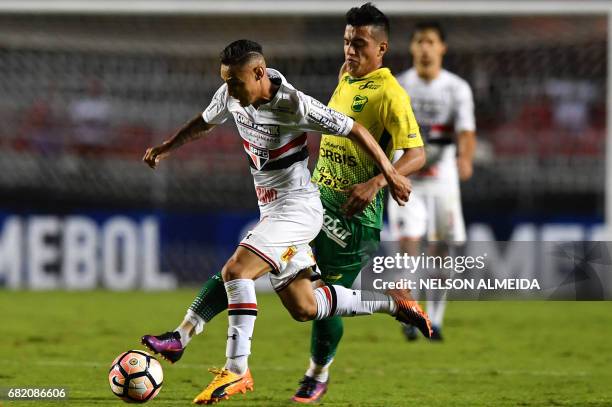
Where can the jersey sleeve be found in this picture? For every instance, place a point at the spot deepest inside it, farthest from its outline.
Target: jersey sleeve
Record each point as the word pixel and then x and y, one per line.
pixel 398 118
pixel 315 116
pixel 464 109
pixel 217 112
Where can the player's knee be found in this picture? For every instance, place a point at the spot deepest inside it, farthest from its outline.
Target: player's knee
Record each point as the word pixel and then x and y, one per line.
pixel 232 270
pixel 304 313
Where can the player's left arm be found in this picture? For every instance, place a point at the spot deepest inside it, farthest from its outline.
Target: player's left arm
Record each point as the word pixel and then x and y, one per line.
pixel 465 128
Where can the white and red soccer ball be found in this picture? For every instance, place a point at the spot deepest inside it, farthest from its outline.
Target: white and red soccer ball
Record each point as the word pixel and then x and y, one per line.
pixel 135 376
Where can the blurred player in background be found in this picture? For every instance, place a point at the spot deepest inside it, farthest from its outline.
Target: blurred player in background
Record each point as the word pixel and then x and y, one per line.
pixel 444 107
pixel 272 118
pixel 370 94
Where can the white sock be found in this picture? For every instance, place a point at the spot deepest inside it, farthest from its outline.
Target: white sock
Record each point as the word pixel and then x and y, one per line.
pixel 198 326
pixel 319 372
pixel 335 300
pixel 242 312
pixel 435 310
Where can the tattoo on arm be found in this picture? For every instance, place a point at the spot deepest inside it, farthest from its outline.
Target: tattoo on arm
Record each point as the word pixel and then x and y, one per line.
pixel 192 130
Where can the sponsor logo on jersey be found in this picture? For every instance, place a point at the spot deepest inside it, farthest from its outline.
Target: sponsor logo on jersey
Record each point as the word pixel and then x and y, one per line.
pixel 330 180
pixel 266 195
pixel 325 122
pixel 369 85
pixel 359 103
pixel 267 129
pixel 288 254
pixel 335 231
pixel 338 158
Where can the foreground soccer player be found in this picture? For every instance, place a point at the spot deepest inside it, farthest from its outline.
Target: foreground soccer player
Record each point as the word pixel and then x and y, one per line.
pixel 444 107
pixel 272 117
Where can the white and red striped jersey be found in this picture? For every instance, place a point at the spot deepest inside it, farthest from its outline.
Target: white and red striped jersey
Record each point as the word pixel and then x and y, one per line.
pixel 274 136
pixel 443 108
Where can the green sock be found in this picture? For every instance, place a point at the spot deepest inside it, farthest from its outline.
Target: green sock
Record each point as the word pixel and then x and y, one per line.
pixel 325 337
pixel 211 299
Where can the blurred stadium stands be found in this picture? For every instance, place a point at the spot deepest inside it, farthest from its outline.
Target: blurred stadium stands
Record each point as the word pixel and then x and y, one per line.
pixel 83 96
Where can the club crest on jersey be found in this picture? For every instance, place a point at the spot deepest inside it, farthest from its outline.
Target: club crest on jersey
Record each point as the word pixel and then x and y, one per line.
pixel 359 103
pixel 259 156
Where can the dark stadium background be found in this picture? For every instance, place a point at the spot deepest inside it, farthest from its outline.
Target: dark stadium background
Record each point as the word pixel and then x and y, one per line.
pixel 83 96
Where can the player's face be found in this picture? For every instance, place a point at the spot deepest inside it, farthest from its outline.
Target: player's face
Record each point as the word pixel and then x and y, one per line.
pixel 363 53
pixel 242 83
pixel 427 49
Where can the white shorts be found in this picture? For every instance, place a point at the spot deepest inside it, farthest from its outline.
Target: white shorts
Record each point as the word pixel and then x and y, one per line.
pixel 282 237
pixel 432 214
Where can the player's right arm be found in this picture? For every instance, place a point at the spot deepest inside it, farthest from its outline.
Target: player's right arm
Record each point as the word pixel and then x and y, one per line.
pixel 215 113
pixel 323 119
pixel 192 130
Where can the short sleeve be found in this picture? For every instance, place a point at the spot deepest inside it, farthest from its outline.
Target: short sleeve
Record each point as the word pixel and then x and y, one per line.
pixel 320 118
pixel 399 120
pixel 217 112
pixel 464 105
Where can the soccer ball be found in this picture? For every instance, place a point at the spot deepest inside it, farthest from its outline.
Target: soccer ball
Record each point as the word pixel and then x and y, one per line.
pixel 135 376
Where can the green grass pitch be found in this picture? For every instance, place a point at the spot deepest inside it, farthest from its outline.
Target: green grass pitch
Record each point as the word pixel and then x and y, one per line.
pixel 495 353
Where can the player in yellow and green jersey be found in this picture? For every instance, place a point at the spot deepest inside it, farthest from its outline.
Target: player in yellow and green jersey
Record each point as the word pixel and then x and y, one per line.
pixel 351 188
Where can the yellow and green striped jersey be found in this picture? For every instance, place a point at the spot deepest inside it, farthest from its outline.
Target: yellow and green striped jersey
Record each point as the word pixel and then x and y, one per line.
pixel 380 104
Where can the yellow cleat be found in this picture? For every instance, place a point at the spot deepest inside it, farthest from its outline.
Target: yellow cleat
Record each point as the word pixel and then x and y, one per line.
pixel 224 385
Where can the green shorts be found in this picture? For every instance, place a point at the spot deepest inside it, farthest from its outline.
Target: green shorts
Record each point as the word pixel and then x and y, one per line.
pixel 343 247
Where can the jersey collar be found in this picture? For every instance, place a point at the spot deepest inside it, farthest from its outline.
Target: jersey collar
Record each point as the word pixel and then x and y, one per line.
pixel 352 80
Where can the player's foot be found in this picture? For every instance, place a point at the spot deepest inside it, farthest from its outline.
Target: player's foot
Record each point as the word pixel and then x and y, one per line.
pixel 409 311
pixel 436 333
pixel 168 345
pixel 224 385
pixel 410 332
pixel 310 390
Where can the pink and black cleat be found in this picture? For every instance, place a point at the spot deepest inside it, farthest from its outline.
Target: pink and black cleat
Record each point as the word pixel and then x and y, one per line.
pixel 168 345
pixel 310 391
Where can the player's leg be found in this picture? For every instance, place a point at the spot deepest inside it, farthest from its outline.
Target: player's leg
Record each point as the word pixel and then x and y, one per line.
pixel 209 302
pixel 278 244
pixel 408 225
pixel 305 303
pixel 450 233
pixel 327 303
pixel 239 274
pixel 341 252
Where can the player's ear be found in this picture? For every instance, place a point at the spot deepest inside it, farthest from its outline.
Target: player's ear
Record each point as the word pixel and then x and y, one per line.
pixel 382 48
pixel 259 72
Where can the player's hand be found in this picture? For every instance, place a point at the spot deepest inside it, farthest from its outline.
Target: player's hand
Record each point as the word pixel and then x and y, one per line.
pixel 399 188
pixel 465 168
pixel 360 196
pixel 153 155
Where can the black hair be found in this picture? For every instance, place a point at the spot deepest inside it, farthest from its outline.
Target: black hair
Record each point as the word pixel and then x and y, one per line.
pixel 368 14
pixel 239 52
pixel 429 25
